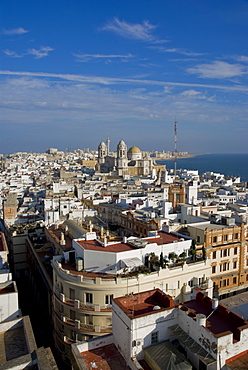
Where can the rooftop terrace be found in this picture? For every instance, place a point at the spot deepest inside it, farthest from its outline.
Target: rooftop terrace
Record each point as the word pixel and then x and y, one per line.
pixel 144 303
pixel 104 358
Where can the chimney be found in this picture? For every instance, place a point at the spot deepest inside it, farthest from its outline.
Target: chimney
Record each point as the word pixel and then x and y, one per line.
pixel 201 319
pixel 215 303
pixel 62 239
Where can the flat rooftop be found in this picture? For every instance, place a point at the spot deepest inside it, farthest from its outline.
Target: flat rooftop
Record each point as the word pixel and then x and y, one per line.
pixel 163 238
pixel 56 234
pixel 220 320
pixel 239 362
pixel 104 358
pixel 145 303
pixel 210 226
pixel 95 245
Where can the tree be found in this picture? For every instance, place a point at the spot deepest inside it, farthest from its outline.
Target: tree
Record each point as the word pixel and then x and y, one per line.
pixel 161 260
pixel 172 256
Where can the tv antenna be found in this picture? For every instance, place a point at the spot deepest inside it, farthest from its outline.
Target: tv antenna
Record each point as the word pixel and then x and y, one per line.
pixel 175 148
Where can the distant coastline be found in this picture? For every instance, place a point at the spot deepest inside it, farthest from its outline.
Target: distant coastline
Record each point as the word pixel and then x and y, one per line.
pixel 235 165
pixel 173 157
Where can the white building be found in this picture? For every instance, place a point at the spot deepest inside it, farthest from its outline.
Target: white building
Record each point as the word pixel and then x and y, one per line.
pixel 150 330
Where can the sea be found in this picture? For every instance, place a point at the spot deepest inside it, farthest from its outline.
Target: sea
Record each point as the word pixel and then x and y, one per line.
pixel 227 164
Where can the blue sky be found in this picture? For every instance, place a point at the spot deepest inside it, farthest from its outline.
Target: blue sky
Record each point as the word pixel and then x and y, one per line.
pixel 74 72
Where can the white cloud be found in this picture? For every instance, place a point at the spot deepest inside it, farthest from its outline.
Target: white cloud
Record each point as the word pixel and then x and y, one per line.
pixel 218 69
pixel 138 31
pixel 40 53
pixel 242 58
pixel 13 54
pixel 113 81
pixel 15 31
pixel 88 57
pixel 190 93
pixel 176 50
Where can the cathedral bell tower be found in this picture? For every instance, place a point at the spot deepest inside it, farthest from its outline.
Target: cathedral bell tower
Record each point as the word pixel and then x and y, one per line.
pixel 122 160
pixel 102 152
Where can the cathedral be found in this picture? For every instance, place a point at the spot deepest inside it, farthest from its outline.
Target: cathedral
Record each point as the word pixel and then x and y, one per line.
pixel 131 162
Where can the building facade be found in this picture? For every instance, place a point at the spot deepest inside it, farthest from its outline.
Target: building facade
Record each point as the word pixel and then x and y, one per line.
pixel 126 162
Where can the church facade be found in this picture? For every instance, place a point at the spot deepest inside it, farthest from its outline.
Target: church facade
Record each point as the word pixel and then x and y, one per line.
pixel 131 162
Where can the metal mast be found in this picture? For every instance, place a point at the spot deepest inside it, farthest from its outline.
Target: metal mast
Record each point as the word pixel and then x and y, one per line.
pixel 175 149
pixel 108 145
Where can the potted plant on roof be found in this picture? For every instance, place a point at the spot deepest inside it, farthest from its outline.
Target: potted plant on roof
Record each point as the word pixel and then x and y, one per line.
pixel 172 257
pixel 181 258
pixel 154 261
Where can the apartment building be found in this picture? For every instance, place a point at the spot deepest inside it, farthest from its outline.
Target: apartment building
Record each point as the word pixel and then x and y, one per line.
pixel 151 331
pixel 88 276
pixel 227 248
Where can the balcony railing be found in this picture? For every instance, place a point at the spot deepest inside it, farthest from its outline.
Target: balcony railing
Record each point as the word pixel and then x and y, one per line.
pixel 76 303
pixel 77 324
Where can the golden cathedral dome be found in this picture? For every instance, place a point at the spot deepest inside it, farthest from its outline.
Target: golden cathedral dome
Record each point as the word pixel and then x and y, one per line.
pixel 134 149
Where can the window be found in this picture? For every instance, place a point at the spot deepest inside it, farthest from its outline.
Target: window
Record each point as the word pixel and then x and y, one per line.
pixel 236 236
pixel 213 269
pixel 215 239
pixel 89 297
pixel 246 262
pixel 225 266
pixel 72 294
pixel 72 315
pixel 247 277
pixel 108 299
pixel 235 250
pixel 235 264
pixel 225 238
pixel 154 337
pixel 224 252
pixel 214 254
pixel 234 280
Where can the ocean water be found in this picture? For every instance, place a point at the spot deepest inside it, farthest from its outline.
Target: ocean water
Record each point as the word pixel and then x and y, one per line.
pixel 227 164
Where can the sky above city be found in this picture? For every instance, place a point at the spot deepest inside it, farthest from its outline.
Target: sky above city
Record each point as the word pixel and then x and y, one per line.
pixel 73 73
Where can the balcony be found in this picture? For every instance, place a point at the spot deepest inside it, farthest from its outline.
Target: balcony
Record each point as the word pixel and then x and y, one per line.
pixel 78 325
pixel 80 305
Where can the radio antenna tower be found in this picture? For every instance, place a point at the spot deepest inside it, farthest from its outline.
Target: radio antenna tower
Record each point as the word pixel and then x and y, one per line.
pixel 175 149
pixel 108 145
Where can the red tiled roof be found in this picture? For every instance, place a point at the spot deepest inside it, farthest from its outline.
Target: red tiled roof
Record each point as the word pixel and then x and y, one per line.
pixel 143 303
pixel 96 246
pixel 239 362
pixel 164 238
pixel 219 321
pixel 104 358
